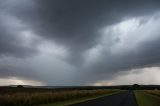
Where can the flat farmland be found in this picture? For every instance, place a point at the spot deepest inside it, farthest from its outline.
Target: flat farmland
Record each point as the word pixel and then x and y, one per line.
pixel 78 96
pixel 36 96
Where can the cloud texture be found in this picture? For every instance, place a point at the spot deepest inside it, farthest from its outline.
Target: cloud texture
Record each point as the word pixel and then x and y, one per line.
pixel 68 42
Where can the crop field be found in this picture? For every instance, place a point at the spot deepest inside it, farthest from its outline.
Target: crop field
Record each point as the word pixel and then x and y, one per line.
pixel 31 97
pixel 153 92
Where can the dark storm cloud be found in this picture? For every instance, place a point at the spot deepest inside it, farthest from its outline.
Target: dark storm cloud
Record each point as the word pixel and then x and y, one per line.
pixel 76 24
pixel 15 36
pixel 12 41
pixel 12 46
pixel 146 56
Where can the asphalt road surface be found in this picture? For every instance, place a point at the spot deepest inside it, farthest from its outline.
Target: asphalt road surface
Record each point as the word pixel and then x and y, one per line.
pixel 126 98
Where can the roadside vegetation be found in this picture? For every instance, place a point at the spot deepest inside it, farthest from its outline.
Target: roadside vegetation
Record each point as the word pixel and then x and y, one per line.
pixel 154 92
pixel 78 100
pixel 148 97
pixel 46 96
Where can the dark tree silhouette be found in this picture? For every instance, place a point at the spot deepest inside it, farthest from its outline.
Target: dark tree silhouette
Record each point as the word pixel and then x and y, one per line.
pixel 136 86
pixel 20 86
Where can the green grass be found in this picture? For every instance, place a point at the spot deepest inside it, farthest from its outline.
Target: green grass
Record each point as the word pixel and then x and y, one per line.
pixel 145 99
pixel 74 101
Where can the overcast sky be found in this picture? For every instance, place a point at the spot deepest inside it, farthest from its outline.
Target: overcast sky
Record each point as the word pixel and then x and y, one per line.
pixel 79 42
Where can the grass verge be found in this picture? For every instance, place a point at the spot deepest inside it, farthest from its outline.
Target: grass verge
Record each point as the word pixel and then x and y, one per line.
pixel 145 99
pixel 74 101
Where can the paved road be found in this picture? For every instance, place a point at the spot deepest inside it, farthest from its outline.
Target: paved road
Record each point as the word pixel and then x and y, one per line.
pixel 121 99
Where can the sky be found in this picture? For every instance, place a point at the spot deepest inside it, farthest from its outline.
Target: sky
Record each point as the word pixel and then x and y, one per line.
pixel 79 42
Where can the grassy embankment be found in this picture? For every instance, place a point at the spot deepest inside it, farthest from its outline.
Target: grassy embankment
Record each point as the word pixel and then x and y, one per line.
pixel 45 97
pixel 148 97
